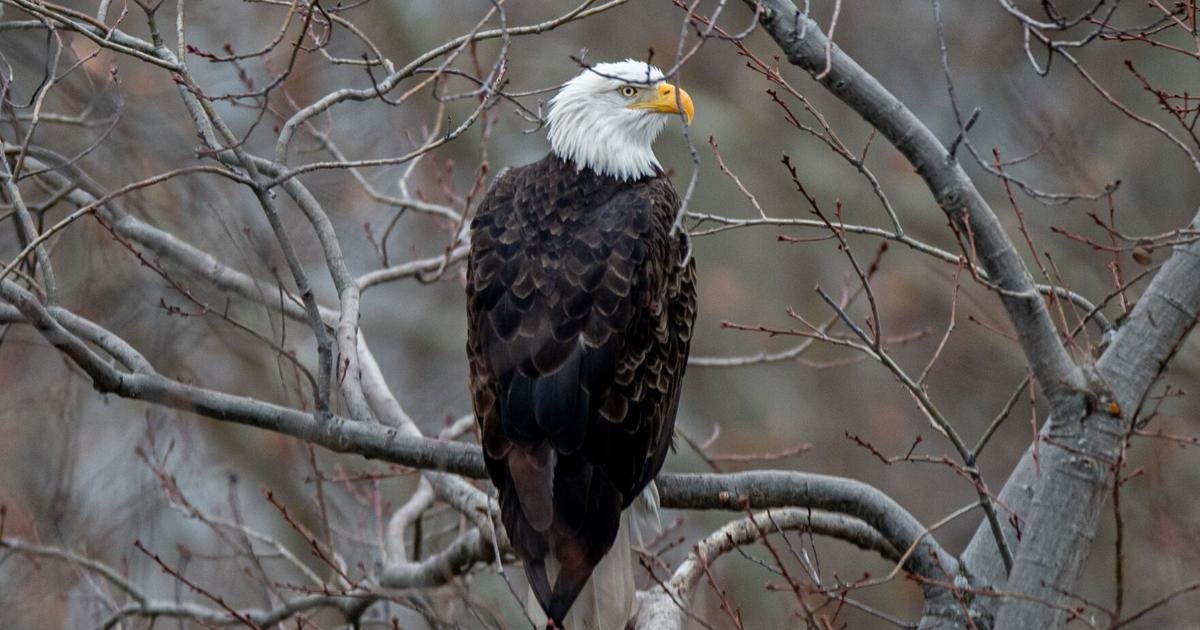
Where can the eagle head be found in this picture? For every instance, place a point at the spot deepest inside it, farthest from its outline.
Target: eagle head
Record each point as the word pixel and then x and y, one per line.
pixel 608 116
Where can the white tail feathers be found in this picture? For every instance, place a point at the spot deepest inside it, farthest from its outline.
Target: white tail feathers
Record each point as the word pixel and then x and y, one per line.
pixel 608 599
pixel 643 515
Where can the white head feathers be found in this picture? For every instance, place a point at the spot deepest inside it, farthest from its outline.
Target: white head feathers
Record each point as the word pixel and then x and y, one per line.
pixel 607 118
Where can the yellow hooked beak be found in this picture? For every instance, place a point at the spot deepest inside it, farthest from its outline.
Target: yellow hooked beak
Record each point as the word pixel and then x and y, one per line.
pixel 665 102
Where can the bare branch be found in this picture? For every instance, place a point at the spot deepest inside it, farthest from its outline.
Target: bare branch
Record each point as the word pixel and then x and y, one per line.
pixel 665 606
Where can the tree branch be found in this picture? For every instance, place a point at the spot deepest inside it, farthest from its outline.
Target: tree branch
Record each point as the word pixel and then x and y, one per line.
pixel 758 490
pixel 1077 456
pixel 763 489
pixel 1084 430
pixel 664 607
pixel 806 46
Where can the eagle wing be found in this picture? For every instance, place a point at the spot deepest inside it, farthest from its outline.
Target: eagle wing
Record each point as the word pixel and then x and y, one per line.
pixel 579 321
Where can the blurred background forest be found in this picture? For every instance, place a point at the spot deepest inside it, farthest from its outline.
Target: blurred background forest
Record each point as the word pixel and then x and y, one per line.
pixel 73 467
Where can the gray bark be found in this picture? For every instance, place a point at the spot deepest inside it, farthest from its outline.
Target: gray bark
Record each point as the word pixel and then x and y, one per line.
pixel 660 607
pixel 1061 507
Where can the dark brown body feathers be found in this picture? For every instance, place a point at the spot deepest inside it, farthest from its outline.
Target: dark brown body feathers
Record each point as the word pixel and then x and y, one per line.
pixel 579 322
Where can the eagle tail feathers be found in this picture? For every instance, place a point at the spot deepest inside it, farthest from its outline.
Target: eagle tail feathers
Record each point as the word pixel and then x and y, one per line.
pixel 607 600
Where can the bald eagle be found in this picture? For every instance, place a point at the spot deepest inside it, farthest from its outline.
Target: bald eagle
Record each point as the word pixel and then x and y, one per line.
pixel 580 304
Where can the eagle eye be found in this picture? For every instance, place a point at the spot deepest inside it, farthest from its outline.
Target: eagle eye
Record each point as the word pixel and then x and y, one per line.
pixel 628 91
